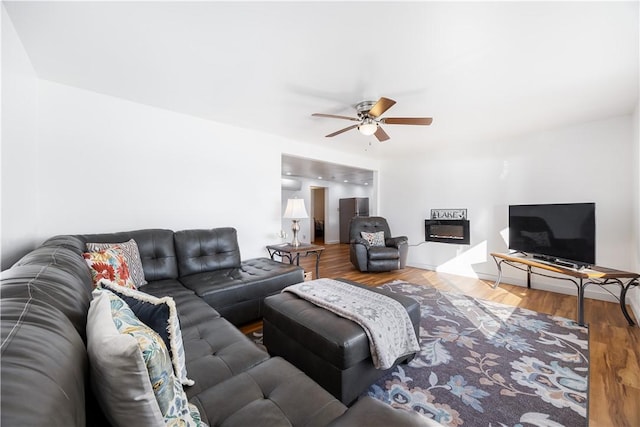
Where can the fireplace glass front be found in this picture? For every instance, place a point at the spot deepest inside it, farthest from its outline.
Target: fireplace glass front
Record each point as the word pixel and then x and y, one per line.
pixel 447 231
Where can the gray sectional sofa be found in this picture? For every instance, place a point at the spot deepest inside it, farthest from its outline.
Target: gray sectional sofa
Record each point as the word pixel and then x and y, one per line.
pixel 45 298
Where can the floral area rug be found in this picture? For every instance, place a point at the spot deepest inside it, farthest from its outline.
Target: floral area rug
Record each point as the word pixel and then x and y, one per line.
pixel 488 364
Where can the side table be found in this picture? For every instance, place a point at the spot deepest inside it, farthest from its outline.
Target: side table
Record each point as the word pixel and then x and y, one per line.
pixel 286 250
pixel 595 275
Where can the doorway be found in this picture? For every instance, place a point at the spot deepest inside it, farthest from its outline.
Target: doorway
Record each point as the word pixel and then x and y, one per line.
pixel 317 223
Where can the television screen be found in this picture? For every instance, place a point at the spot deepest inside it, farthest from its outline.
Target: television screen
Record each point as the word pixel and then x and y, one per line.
pixel 555 232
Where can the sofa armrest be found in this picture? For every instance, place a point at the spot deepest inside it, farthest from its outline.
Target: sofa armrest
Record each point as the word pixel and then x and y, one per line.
pixel 358 253
pixel 371 412
pixel 396 241
pixel 360 241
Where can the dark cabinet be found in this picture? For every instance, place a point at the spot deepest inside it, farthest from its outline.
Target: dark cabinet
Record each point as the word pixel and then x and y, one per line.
pixel 354 206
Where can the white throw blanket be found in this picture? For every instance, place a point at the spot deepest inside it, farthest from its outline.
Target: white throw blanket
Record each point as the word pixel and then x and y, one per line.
pixel 385 321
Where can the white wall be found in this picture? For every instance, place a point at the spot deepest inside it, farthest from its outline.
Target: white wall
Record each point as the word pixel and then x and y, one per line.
pixel 633 297
pixel 106 164
pixel 334 192
pixel 75 161
pixel 19 147
pixel 590 162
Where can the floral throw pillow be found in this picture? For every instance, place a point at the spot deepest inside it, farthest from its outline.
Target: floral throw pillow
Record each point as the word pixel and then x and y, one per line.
pixel 109 264
pixel 131 255
pixel 374 239
pixel 161 315
pixel 168 391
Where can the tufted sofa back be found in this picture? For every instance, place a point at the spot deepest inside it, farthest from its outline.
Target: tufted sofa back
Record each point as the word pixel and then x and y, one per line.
pixel 156 246
pixel 207 250
pixel 368 224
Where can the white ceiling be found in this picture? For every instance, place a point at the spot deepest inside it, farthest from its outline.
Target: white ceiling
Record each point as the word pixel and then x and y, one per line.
pixel 481 70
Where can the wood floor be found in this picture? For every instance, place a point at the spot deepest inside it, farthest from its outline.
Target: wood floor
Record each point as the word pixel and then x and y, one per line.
pixel 614 384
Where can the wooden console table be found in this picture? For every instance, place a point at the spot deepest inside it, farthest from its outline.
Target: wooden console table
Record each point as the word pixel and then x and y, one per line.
pixel 292 253
pixel 581 277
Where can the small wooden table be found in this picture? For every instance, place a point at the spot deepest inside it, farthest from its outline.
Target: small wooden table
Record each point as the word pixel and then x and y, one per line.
pixel 286 250
pixel 581 277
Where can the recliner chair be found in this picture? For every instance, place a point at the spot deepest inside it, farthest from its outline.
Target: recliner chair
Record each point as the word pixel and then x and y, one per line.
pixel 379 256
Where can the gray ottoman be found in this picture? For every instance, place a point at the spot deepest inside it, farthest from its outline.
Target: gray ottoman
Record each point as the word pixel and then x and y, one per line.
pixel 332 350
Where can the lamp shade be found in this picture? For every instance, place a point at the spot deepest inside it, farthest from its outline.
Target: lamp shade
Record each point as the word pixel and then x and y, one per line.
pixel 368 128
pixel 295 209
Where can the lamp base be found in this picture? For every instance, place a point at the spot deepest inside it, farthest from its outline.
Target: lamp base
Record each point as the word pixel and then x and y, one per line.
pixel 295 227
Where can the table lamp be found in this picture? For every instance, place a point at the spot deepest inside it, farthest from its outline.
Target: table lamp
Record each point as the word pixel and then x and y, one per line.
pixel 296 211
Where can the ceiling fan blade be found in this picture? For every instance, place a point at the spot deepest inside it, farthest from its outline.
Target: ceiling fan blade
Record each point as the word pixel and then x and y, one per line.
pixel 333 116
pixel 424 121
pixel 341 131
pixel 381 134
pixel 381 106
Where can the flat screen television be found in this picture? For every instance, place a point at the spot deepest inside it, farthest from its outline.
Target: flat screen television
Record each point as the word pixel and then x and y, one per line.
pixel 564 233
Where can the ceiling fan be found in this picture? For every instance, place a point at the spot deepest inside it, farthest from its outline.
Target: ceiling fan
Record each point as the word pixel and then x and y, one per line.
pixel 369 119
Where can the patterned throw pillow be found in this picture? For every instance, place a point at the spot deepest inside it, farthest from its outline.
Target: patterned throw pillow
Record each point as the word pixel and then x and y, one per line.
pixel 374 239
pixel 170 397
pixel 159 314
pixel 109 264
pixel 118 372
pixel 131 255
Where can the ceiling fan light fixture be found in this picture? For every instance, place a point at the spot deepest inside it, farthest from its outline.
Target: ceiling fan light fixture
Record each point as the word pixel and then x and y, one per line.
pixel 368 120
pixel 368 128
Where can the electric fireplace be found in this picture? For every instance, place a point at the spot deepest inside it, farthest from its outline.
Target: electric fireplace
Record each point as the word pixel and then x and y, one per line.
pixel 447 231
